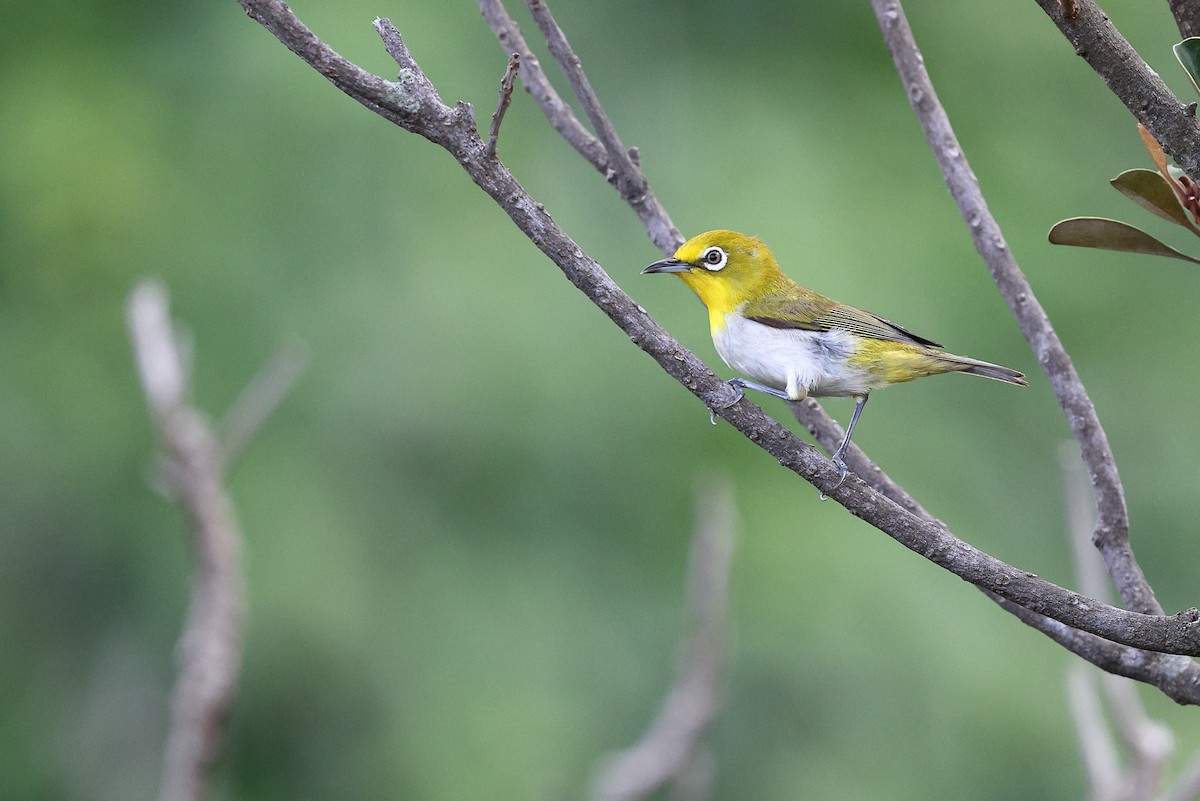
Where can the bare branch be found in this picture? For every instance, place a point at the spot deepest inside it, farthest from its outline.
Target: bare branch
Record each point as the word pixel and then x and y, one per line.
pixel 668 747
pixel 1112 529
pixel 534 79
pixel 624 170
pixel 1123 70
pixel 210 649
pixel 606 154
pixel 624 173
pixel 1097 749
pixel 506 90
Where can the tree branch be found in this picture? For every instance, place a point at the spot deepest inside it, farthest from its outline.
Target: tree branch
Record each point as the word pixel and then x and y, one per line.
pixel 210 648
pixel 1112 528
pixel 1175 634
pixel 664 753
pixel 1123 70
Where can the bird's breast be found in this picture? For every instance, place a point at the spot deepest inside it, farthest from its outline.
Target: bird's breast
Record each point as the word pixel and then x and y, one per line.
pixel 799 362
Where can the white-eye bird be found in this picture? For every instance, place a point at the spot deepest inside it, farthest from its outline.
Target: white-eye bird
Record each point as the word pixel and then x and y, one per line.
pixel 793 342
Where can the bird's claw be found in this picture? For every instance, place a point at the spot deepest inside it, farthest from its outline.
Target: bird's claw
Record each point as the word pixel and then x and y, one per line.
pixel 738 394
pixel 843 472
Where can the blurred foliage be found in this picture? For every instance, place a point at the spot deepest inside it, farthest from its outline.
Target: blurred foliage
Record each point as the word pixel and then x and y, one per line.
pixel 466 529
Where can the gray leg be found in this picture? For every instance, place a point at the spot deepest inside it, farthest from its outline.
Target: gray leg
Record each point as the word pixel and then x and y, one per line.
pixel 838 455
pixel 739 383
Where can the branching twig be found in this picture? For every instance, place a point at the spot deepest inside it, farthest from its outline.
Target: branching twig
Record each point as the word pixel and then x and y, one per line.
pixel 534 79
pixel 210 648
pixel 665 751
pixel 628 177
pixel 506 90
pixel 829 434
pixel 605 153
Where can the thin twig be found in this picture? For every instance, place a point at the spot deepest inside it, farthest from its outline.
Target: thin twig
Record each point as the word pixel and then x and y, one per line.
pixel 665 751
pixel 558 112
pixel 259 400
pixel 606 153
pixel 210 648
pixel 506 90
pixel 624 172
pixel 623 169
pixel 1112 529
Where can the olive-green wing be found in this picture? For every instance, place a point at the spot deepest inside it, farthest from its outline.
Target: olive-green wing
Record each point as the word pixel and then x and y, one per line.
pixel 820 313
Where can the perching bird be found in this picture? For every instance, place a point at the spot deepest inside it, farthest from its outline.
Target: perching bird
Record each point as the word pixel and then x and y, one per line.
pixel 794 342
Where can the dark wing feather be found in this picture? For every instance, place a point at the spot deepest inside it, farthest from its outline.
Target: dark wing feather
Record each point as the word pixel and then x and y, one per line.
pixel 822 314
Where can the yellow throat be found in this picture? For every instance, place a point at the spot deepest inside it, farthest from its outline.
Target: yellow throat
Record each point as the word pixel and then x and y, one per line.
pixel 735 269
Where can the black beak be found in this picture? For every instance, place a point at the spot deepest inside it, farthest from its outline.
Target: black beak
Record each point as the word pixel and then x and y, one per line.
pixel 667 266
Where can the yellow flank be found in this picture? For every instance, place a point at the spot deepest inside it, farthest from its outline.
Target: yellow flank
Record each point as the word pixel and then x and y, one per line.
pixel 897 362
pixel 792 342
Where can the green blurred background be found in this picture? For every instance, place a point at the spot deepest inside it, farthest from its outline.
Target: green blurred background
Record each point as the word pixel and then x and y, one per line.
pixel 466 529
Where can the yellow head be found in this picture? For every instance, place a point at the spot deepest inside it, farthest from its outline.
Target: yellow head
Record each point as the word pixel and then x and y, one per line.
pixel 725 269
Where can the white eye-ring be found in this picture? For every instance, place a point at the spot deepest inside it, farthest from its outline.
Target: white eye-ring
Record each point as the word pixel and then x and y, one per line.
pixel 714 258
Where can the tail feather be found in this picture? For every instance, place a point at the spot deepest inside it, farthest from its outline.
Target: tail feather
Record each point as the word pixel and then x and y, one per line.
pixel 988 370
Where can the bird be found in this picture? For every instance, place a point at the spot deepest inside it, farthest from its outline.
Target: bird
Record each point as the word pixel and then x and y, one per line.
pixel 793 343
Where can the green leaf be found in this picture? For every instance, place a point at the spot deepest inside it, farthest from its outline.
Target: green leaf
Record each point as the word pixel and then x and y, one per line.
pixel 1151 191
pixel 1097 232
pixel 1188 53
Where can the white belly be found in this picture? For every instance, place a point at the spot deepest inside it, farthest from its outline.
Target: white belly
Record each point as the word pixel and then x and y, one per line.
pixel 800 363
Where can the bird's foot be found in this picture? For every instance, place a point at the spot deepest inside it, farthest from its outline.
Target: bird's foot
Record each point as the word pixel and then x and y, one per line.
pixel 843 472
pixel 737 385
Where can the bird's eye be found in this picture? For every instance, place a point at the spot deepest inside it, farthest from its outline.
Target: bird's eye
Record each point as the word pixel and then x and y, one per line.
pixel 714 258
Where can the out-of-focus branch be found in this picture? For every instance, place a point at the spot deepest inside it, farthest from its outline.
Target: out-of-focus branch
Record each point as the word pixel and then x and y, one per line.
pixel 1112 528
pixel 259 400
pixel 1147 743
pixel 1096 747
pixel 1130 78
pixel 665 753
pixel 193 463
pixel 1187 785
pixel 211 644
